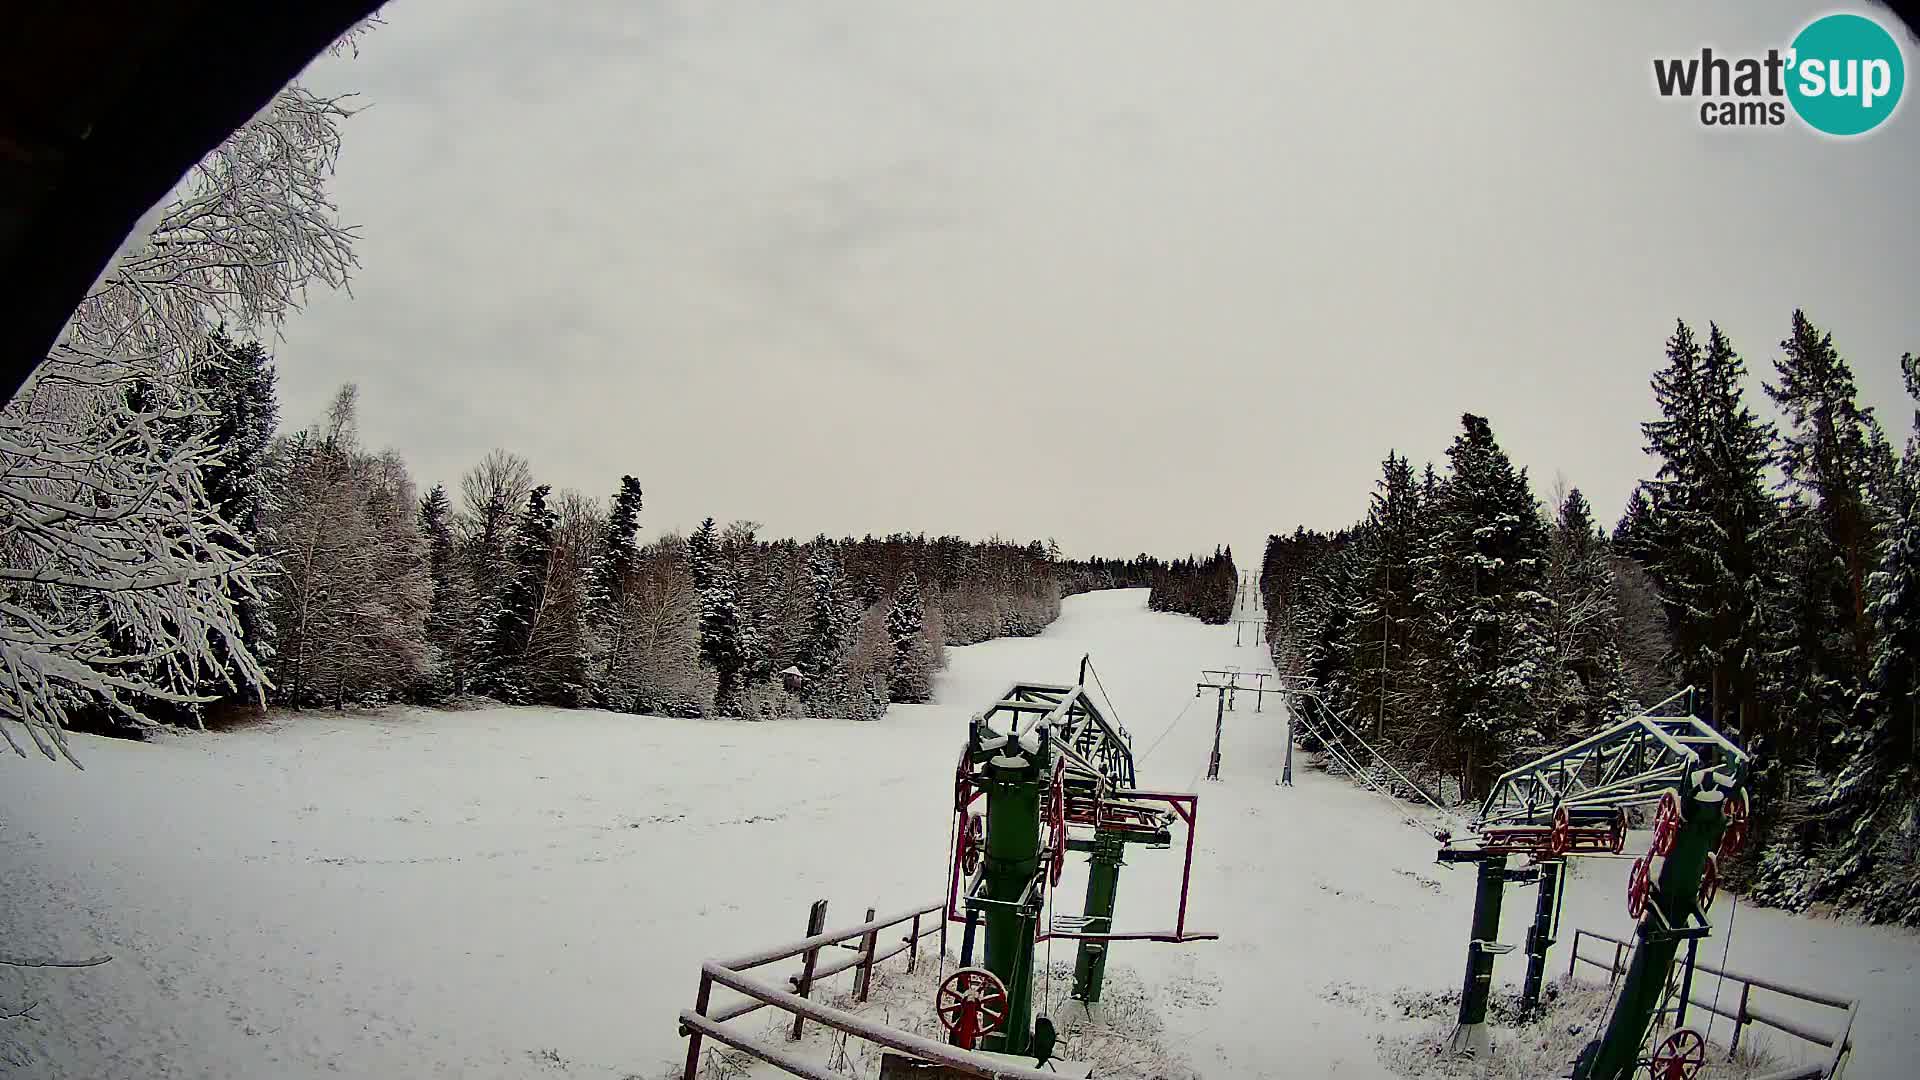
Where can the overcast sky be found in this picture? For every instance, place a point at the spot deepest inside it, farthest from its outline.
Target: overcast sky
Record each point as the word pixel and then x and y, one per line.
pixel 1136 276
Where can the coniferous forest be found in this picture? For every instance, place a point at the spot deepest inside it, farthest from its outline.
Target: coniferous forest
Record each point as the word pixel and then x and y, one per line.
pixel 369 591
pixel 1202 588
pixel 1466 624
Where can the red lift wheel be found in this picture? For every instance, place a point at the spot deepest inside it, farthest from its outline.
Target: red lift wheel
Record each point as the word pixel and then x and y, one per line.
pixel 1639 885
pixel 1619 831
pixel 1680 1057
pixel 1666 824
pixel 1709 882
pixel 1732 840
pixel 1560 837
pixel 972 1002
pixel 962 785
pixel 973 840
pixel 1057 827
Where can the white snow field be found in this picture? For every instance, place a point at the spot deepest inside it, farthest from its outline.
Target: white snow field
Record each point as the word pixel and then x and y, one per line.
pixel 525 893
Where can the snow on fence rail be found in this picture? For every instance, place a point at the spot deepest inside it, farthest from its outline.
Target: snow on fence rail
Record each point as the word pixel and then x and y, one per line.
pixel 1838 1043
pixel 698 1023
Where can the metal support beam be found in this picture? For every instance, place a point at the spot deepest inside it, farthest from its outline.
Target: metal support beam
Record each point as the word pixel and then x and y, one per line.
pixel 1540 935
pixel 1219 721
pixel 1671 917
pixel 1014 786
pixel 1470 1036
pixel 1286 766
pixel 1103 883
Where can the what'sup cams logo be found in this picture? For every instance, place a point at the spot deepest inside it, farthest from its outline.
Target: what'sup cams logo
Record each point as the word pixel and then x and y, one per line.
pixel 1842 75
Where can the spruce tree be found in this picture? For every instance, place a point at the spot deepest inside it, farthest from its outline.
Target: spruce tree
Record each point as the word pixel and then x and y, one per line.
pixel 1496 548
pixel 1826 457
pixel 1710 522
pixel 829 623
pixel 508 638
pixel 912 673
pixel 1384 553
pixel 1585 687
pixel 1869 808
pixel 619 551
pixel 615 565
pixel 450 614
pixel 724 642
pixel 1871 802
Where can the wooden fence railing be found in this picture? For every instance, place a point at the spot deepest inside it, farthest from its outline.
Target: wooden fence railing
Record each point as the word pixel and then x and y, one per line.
pixel 1837 1041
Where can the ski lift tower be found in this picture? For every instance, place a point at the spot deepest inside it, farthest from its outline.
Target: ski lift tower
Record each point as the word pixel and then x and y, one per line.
pixel 1049 774
pixel 1573 802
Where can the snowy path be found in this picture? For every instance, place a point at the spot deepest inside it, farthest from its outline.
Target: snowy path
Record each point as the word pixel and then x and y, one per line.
pixel 519 892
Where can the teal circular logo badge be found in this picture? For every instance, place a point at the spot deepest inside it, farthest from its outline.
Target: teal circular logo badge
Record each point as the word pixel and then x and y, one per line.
pixel 1846 76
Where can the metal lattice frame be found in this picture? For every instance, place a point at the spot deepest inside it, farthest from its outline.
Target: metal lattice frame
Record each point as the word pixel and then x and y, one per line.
pixel 1095 748
pixel 1632 762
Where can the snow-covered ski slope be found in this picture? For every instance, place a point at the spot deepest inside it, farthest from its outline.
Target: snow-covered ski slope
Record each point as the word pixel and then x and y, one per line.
pixel 526 893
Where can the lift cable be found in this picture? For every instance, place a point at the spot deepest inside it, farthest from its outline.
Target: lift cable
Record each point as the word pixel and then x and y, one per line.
pixel 1169 729
pixel 1111 707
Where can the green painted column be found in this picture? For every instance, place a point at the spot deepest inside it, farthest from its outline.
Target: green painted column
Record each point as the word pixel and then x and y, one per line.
pixel 1103 883
pixel 1676 891
pixel 1012 857
pixel 1470 1037
pixel 1540 936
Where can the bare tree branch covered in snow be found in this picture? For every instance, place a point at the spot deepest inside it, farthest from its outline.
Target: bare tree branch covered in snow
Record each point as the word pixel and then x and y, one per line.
pixel 119 582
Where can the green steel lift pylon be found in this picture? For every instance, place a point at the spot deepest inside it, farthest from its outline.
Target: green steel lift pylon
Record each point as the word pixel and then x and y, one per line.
pixel 1011 897
pixel 1572 802
pixel 1052 761
pixel 1672 915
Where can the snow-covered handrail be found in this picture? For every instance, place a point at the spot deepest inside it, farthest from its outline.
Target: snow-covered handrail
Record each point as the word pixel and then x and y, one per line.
pixel 828 937
pixel 1837 1042
pixel 966 1061
pixel 701 1022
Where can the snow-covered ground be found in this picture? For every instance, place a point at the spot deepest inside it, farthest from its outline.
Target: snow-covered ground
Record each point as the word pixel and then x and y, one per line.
pixel 521 892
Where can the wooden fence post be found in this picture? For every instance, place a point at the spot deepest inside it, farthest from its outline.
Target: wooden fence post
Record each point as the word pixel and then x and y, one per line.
pixel 816 923
pixel 1740 1019
pixel 693 1037
pixel 913 946
pixel 867 943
